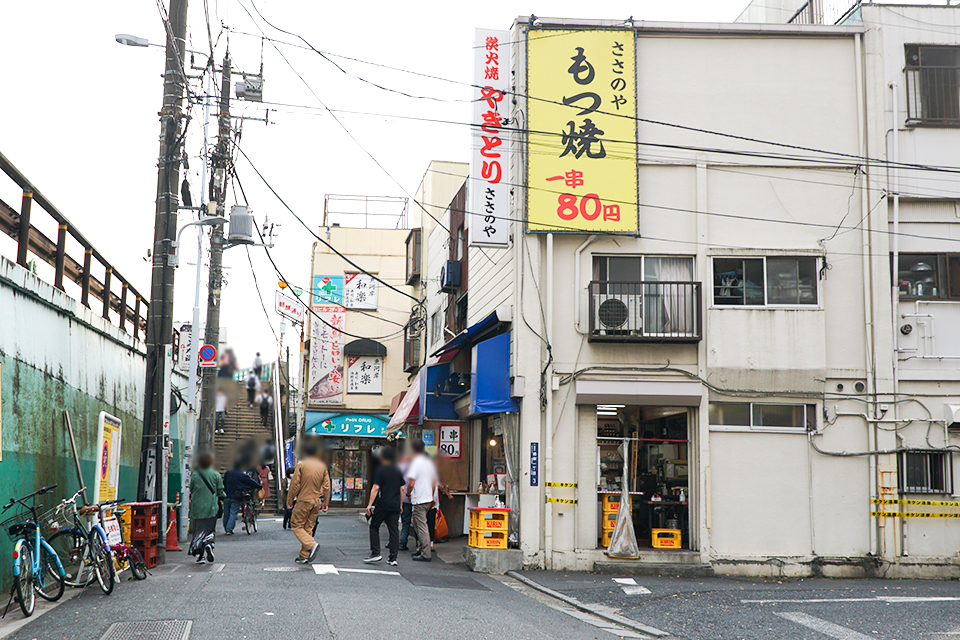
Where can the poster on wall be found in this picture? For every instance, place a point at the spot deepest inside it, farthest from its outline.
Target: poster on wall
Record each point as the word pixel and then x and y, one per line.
pixel 490 160
pixel 582 146
pixel 450 441
pixel 108 458
pixel 364 374
pixel 326 356
pixel 336 489
pixel 359 291
pixel 327 290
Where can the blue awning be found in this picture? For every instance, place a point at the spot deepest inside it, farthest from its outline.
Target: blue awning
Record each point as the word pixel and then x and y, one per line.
pixel 469 336
pixel 437 392
pixel 490 382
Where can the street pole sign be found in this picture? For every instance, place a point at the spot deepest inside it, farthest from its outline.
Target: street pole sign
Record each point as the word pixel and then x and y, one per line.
pixel 290 307
pixel 208 356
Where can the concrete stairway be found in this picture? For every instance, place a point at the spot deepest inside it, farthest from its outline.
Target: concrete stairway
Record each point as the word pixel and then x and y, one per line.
pixel 243 427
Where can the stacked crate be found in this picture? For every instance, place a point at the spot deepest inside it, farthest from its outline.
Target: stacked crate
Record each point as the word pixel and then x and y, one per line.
pixel 611 507
pixel 488 528
pixel 145 530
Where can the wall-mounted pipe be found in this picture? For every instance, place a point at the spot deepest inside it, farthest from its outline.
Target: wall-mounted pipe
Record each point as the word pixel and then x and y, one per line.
pixel 576 281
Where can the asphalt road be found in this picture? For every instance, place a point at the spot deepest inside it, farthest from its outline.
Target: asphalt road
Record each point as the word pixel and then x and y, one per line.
pixel 742 609
pixel 255 590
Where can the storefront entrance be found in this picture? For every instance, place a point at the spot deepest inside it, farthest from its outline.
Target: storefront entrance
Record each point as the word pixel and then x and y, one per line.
pixel 652 445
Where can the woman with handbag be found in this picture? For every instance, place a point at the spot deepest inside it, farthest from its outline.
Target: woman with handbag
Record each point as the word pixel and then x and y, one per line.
pixel 206 507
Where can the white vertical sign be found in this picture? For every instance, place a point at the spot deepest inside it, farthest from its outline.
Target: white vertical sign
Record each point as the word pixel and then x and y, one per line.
pixel 359 291
pixel 490 160
pixel 326 356
pixel 450 441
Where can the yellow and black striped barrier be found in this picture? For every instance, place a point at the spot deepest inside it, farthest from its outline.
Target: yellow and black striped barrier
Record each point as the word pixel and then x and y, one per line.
pixel 567 500
pixel 564 485
pixel 919 503
pixel 894 514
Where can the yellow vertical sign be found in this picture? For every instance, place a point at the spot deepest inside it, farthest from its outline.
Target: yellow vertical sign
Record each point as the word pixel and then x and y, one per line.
pixel 582 152
pixel 108 458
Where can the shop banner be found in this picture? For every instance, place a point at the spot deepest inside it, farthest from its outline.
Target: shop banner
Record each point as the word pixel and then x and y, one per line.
pixel 327 290
pixel 582 149
pixel 290 307
pixel 490 159
pixel 359 291
pixel 364 374
pixel 326 356
pixel 108 454
pixel 346 424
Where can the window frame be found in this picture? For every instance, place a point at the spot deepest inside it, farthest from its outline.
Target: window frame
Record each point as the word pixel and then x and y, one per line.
pixel 643 257
pixel 944 276
pixel 818 261
pixel 946 462
pixel 810 412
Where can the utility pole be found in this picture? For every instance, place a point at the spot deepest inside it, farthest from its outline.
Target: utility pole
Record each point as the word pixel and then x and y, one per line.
pixel 160 316
pixel 220 163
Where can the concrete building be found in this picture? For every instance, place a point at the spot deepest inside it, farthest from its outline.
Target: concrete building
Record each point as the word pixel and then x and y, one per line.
pixel 354 349
pixel 729 318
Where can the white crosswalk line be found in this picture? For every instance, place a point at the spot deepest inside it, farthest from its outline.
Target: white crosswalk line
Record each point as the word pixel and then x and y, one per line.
pixel 373 571
pixel 823 626
pixel 324 569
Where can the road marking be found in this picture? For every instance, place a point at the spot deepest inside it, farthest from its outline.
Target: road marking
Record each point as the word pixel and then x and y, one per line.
pixel 630 587
pixel 324 569
pixel 899 599
pixel 374 571
pixel 175 567
pixel 824 627
pixel 281 569
pixel 218 568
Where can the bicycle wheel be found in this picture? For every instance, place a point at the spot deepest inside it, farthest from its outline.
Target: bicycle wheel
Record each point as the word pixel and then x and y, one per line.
pixel 246 520
pixel 137 566
pixel 48 583
pixel 102 563
pixel 254 519
pixel 24 581
pixel 71 546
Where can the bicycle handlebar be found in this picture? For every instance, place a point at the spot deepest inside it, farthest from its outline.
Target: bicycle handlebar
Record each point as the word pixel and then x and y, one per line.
pixel 20 500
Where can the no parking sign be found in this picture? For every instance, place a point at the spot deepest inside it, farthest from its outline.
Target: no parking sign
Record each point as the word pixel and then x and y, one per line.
pixel 208 356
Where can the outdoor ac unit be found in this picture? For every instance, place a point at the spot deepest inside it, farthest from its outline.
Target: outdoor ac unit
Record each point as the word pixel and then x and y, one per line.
pixel 617 314
pixel 450 277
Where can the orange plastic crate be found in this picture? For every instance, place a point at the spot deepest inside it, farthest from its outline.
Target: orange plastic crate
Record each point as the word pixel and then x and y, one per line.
pixel 605 539
pixel 609 520
pixel 489 519
pixel 611 503
pixel 480 539
pixel 666 538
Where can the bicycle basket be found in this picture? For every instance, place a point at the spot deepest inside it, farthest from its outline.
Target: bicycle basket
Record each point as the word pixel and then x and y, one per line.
pixel 53 520
pixel 11 527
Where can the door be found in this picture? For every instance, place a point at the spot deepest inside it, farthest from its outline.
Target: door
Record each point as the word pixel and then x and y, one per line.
pixel 348 475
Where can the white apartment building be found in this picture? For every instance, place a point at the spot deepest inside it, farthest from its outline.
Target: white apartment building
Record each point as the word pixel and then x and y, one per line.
pixel 699 268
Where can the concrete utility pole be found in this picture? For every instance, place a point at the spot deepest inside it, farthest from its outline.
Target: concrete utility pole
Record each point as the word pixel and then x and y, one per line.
pixel 160 316
pixel 220 162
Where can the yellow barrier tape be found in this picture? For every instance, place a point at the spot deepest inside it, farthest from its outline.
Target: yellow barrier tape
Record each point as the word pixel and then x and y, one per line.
pixel 566 485
pixel 566 501
pixel 894 514
pixel 920 503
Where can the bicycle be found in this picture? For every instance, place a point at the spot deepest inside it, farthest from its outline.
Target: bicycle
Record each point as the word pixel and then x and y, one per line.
pixel 37 569
pixel 123 554
pixel 85 552
pixel 248 511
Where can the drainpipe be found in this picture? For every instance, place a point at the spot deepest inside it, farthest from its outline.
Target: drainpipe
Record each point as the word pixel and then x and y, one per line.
pixel 548 410
pixel 868 302
pixel 576 281
pixel 895 240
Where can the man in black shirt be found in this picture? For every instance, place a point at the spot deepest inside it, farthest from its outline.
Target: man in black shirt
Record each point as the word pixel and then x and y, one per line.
pixel 384 505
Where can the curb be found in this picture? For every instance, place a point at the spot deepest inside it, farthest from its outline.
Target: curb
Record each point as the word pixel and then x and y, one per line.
pixel 592 610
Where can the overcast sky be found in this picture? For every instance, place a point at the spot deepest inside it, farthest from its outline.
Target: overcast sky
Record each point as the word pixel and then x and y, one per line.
pixel 80 118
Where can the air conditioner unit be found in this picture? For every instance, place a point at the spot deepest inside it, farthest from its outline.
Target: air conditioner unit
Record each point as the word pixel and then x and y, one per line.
pixel 617 314
pixel 450 277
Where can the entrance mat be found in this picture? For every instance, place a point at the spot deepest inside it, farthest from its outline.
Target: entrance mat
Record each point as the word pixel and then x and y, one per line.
pixel 445 581
pixel 149 630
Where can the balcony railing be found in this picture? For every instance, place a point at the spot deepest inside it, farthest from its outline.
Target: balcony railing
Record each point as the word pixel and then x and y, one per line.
pixel 822 12
pixel 933 95
pixel 647 311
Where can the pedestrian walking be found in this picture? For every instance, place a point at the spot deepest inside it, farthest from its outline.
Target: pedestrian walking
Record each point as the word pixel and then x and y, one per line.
pixel 221 411
pixel 287 511
pixel 406 509
pixel 266 402
pixel 206 492
pixel 235 480
pixel 258 365
pixel 310 489
pixel 421 487
pixel 384 506
pixel 253 387
pixel 264 472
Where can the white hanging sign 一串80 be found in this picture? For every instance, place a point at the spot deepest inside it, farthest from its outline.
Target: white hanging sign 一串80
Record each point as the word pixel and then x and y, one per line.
pixel 450 440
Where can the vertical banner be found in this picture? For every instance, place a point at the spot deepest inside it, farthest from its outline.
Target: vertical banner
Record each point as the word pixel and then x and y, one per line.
pixel 326 356
pixel 364 374
pixel 108 458
pixel 582 151
pixel 359 291
pixel 489 160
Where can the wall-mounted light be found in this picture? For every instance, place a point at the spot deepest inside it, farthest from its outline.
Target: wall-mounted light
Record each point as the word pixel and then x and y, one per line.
pixel 493 442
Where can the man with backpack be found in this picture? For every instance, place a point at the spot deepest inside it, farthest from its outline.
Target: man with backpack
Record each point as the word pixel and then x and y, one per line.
pixel 253 387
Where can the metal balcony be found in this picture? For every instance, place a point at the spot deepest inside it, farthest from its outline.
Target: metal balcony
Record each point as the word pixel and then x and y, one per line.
pixel 647 311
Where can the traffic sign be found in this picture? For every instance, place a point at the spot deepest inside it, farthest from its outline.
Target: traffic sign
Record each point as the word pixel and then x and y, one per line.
pixel 208 356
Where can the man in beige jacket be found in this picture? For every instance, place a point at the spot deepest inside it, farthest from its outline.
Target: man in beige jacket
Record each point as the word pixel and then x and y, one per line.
pixel 310 487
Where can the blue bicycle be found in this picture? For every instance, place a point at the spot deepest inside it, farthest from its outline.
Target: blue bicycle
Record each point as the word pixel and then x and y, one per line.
pixel 36 567
pixel 84 549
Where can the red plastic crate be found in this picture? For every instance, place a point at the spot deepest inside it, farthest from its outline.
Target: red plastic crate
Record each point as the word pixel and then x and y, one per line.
pixel 144 508
pixel 142 545
pixel 144 532
pixel 150 557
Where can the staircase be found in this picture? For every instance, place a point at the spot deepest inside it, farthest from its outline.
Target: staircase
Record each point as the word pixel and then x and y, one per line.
pixel 243 429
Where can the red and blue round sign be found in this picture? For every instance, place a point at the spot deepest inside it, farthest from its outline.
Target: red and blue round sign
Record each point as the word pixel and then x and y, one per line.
pixel 208 356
